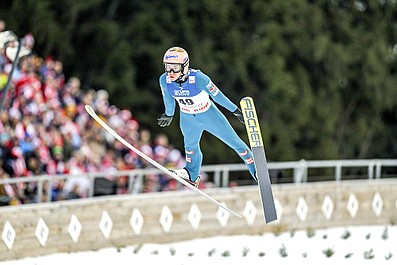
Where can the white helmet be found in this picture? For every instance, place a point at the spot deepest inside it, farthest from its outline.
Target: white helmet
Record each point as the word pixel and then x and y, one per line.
pixel 176 59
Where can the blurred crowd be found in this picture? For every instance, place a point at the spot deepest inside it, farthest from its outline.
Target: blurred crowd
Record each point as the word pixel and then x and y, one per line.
pixel 44 129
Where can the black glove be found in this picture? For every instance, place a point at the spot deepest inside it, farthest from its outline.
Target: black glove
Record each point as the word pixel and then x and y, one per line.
pixel 164 120
pixel 239 115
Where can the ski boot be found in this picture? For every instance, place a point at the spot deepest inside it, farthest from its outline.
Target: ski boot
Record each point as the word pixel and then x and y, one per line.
pixel 184 174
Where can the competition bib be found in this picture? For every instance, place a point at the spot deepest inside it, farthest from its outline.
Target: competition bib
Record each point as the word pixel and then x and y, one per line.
pixel 195 104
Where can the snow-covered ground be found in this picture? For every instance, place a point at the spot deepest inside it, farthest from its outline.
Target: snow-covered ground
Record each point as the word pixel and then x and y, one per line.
pixel 340 245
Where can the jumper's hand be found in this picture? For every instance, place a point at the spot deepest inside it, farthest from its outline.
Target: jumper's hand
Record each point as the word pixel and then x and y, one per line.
pixel 239 115
pixel 164 120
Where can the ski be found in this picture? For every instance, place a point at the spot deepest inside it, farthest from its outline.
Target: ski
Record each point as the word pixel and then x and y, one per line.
pixel 258 152
pixel 92 113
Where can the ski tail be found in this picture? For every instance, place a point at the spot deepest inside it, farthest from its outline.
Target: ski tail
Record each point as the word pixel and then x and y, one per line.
pixel 258 152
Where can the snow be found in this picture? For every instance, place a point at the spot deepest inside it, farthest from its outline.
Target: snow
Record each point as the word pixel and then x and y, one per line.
pixel 349 245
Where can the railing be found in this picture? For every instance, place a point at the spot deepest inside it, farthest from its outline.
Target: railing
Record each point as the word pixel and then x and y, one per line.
pixel 297 170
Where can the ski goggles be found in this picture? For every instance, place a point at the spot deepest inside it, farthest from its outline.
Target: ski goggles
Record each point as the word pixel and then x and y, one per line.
pixel 173 67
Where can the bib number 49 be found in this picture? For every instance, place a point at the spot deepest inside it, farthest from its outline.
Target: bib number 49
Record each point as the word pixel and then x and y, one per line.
pixel 186 101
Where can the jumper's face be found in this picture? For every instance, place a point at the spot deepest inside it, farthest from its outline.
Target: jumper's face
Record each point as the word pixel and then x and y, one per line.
pixel 173 70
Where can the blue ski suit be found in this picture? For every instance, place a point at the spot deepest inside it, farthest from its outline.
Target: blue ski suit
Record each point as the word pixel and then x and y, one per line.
pixel 198 113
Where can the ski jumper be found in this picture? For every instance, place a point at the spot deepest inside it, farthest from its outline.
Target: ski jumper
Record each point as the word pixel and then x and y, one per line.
pixel 198 114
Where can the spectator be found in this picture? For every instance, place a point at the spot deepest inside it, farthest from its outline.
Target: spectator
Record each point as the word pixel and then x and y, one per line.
pixel 8 192
pixel 46 130
pixel 2 25
pixel 28 41
pixel 122 181
pixel 74 193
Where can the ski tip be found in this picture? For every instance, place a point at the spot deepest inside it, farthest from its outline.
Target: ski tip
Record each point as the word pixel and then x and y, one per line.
pixel 89 109
pixel 246 98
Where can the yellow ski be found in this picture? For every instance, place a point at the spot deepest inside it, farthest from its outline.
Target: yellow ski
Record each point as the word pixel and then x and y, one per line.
pixel 258 152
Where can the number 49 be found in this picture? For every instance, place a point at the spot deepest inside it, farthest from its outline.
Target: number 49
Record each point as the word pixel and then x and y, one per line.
pixel 187 101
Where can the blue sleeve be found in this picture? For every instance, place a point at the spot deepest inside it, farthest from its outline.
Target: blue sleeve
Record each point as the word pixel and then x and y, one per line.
pixel 169 101
pixel 205 83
